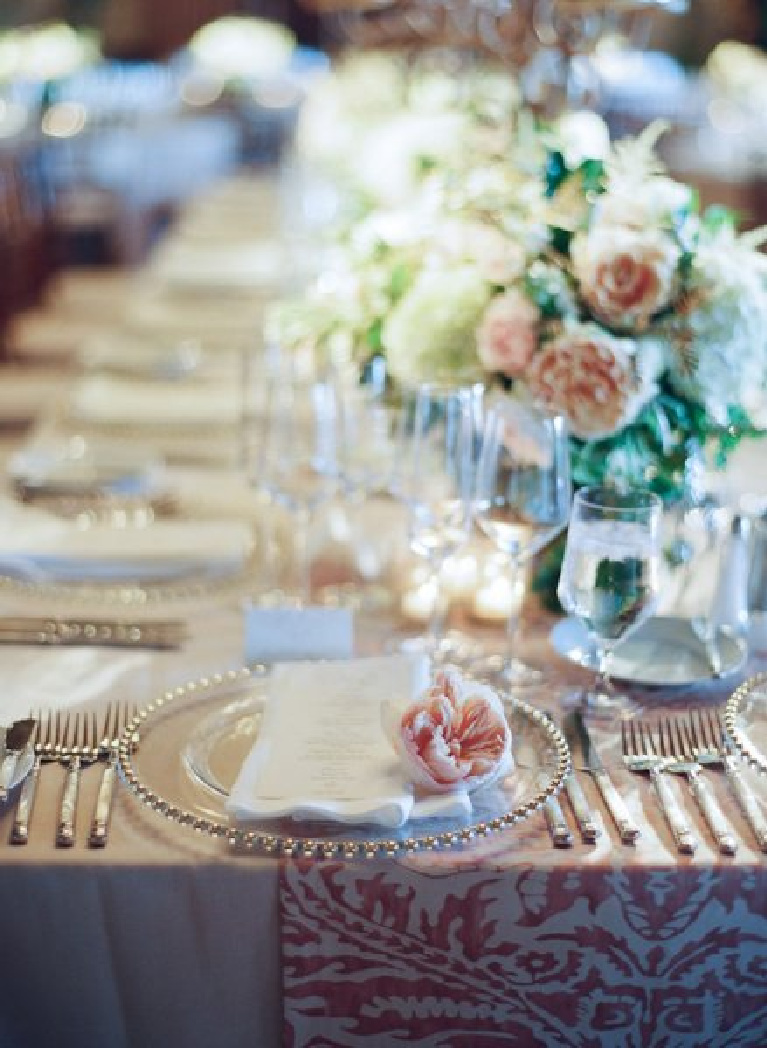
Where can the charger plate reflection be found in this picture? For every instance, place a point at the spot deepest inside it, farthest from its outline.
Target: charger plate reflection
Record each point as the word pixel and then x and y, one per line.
pixel 194 739
pixel 745 721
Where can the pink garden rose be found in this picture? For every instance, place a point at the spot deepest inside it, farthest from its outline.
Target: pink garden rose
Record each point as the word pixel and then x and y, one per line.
pixel 626 276
pixel 508 334
pixel 455 737
pixel 590 377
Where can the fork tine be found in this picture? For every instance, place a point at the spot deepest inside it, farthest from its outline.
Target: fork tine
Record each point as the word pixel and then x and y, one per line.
pixel 645 738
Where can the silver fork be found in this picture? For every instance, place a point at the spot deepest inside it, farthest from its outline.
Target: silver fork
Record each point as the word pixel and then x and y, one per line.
pixel 81 747
pixel 44 744
pixel 117 716
pixel 677 747
pixel 711 746
pixel 640 755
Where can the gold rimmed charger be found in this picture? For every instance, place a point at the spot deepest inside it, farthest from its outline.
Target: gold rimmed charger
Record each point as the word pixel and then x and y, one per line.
pixel 745 721
pixel 212 723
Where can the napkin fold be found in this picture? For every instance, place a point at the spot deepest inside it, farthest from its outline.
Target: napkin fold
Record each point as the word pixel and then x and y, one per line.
pixel 322 752
pixel 38 545
pixel 112 400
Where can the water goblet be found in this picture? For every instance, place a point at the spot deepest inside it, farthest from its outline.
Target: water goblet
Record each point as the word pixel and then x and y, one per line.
pixel 610 576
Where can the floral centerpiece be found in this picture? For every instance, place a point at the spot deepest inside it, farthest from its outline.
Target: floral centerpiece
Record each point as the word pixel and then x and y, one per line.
pixel 570 271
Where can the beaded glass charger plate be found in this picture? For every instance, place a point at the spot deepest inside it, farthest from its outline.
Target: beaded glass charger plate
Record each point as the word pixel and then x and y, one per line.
pixel 212 724
pixel 745 720
pixel 664 652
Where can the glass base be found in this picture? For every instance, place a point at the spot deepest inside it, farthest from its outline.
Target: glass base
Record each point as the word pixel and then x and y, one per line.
pixel 513 672
pixel 599 704
pixel 454 647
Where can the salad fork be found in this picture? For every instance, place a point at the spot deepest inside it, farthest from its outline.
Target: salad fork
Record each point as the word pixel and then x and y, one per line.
pixel 81 747
pixel 117 716
pixel 641 755
pixel 710 746
pixel 676 746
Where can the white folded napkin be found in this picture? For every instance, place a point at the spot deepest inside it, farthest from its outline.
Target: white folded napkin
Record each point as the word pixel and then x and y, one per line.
pixel 224 269
pixel 322 753
pixel 38 545
pixel 112 400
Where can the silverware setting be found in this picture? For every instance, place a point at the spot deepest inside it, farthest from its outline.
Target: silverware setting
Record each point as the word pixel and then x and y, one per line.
pixel 684 746
pixel 74 740
pixel 93 632
pixel 641 755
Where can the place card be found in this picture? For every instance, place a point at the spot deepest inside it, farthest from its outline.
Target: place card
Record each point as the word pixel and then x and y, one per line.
pixel 290 634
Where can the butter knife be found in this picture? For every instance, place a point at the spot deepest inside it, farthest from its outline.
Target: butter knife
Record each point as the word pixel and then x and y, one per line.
pixel 580 741
pixel 14 742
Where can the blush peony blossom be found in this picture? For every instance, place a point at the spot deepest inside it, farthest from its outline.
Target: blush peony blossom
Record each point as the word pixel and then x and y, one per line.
pixel 626 276
pixel 455 737
pixel 508 334
pixel 597 381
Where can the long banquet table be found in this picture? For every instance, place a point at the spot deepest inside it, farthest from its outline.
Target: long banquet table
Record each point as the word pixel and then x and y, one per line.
pixel 168 937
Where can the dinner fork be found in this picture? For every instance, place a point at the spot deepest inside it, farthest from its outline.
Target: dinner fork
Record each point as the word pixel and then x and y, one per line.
pixel 43 743
pixel 640 755
pixel 711 746
pixel 117 716
pixel 676 746
pixel 81 747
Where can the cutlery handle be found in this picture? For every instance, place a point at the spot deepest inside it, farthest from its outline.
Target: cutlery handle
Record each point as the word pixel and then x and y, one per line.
pixel 712 813
pixel 589 830
pixel 747 802
pixel 65 833
pixel 619 813
pixel 561 835
pixel 672 810
pixel 97 838
pixel 20 828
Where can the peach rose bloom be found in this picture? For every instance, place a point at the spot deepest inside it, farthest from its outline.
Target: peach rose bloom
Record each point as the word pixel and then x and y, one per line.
pixel 455 737
pixel 588 375
pixel 508 334
pixel 626 275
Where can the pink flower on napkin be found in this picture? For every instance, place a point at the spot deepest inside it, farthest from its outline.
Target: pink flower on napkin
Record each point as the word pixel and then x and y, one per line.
pixel 455 737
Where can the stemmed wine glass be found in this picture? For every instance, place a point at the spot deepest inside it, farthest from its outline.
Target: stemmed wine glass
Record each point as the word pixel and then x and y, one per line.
pixel 610 576
pixel 434 476
pixel 522 500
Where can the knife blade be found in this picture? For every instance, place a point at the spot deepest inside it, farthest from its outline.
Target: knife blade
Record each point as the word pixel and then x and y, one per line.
pixel 580 741
pixel 16 740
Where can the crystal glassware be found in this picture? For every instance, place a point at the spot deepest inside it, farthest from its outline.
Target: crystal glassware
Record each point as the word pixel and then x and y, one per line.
pixel 610 576
pixel 434 477
pixel 522 502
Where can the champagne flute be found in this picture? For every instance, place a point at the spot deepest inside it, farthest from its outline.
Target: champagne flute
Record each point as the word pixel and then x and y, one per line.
pixel 522 501
pixel 610 576
pixel 434 476
pixel 298 460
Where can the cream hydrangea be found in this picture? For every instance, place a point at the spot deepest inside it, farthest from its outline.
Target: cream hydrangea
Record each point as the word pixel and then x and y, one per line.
pixel 718 335
pixel 432 331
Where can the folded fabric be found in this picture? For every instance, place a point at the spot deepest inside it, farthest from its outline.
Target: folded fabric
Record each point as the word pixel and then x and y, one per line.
pixel 113 400
pixel 322 753
pixel 35 544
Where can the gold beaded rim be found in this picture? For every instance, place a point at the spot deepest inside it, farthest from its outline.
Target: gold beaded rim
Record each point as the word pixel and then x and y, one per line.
pixel 310 847
pixel 735 733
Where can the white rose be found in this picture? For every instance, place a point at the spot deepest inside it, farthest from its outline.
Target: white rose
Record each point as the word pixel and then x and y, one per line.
pixel 508 334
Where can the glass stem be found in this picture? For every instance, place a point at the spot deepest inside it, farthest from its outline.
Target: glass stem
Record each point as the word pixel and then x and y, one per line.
pixel 603 684
pixel 302 556
pixel 435 628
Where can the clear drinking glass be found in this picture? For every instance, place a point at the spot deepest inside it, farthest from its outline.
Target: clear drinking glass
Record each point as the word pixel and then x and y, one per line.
pixel 298 460
pixel 434 476
pixel 610 576
pixel 522 500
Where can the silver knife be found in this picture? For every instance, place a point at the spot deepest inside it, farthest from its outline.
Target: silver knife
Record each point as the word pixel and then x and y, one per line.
pixel 578 738
pixel 15 742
